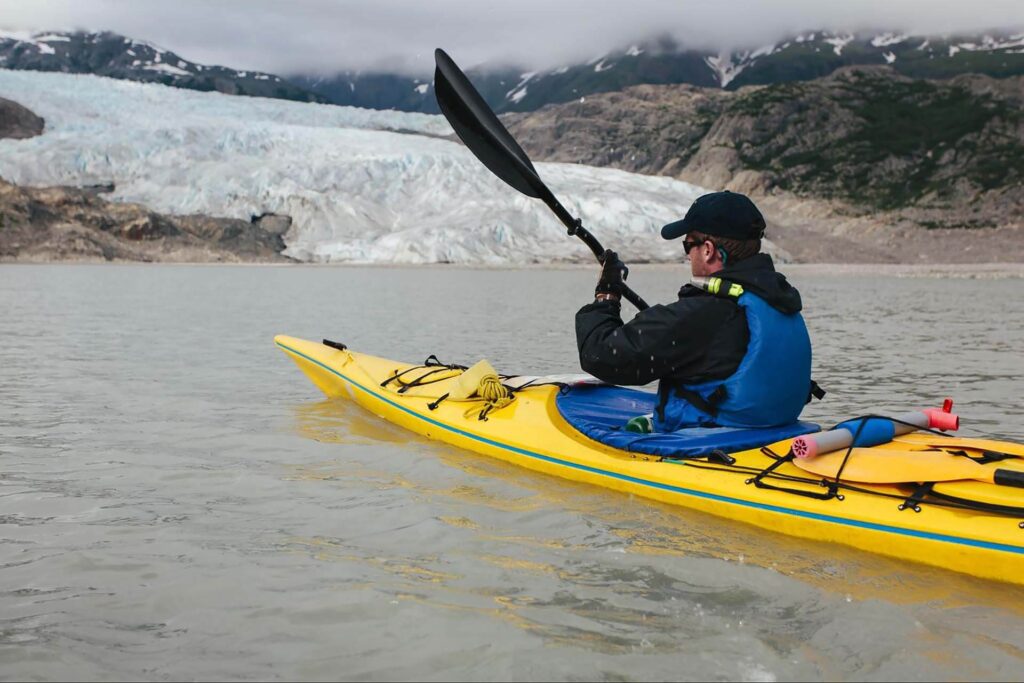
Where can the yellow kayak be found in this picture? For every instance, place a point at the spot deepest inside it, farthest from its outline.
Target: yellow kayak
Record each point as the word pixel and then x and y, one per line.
pixel 968 526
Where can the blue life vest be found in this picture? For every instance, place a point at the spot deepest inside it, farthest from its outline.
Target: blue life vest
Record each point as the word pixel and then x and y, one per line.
pixel 769 388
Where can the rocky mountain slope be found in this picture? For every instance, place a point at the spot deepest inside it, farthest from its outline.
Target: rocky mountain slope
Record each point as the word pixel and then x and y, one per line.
pixel 867 151
pixel 115 56
pixel 800 57
pixel 950 152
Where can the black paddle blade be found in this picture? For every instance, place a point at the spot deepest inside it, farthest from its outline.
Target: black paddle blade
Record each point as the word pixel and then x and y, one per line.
pixel 481 131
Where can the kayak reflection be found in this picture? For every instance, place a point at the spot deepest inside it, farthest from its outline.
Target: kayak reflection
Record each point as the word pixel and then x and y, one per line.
pixel 641 528
pixel 342 422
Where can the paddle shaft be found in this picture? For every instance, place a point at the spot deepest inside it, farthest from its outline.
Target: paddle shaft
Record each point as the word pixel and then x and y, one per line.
pixel 1008 478
pixel 573 225
pixel 479 128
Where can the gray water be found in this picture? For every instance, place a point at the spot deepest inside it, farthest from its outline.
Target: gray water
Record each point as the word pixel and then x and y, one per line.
pixel 178 502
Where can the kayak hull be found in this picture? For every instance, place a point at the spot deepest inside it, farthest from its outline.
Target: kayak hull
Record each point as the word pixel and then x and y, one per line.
pixel 530 432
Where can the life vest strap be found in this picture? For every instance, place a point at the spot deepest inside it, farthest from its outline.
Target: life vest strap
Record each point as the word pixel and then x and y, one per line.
pixel 707 405
pixel 815 392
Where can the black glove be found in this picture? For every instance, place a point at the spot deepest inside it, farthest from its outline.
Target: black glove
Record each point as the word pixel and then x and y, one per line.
pixel 613 274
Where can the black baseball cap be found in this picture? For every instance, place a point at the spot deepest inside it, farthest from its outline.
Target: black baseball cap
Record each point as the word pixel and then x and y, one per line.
pixel 720 214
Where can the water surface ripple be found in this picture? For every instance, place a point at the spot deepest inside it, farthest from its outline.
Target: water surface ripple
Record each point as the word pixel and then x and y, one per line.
pixel 178 502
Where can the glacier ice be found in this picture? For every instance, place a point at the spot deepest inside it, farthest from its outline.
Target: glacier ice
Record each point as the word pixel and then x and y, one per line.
pixel 361 186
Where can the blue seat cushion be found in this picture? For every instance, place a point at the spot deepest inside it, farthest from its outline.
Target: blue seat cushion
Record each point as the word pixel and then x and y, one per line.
pixel 601 411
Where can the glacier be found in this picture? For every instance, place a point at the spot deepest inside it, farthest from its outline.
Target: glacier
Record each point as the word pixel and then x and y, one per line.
pixel 362 186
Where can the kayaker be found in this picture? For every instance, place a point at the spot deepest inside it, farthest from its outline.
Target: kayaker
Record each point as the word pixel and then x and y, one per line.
pixel 734 352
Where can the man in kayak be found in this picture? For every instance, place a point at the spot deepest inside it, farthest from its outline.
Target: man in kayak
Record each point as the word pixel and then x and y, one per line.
pixel 732 351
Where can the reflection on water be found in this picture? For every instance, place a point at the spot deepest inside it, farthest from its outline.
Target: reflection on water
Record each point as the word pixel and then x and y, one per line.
pixel 177 501
pixel 641 526
pixel 341 421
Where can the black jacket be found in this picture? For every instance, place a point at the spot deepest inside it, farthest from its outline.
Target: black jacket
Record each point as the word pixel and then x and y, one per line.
pixel 699 337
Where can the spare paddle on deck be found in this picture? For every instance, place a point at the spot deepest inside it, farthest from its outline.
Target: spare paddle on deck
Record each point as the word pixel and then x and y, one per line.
pixel 485 136
pixel 889 466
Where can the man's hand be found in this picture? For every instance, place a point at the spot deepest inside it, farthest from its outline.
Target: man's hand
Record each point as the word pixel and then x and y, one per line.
pixel 613 275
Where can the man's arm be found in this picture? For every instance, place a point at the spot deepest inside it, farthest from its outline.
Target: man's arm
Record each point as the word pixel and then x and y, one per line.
pixel 656 343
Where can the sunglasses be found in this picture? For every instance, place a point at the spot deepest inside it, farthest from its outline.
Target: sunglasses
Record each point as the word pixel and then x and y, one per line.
pixel 690 244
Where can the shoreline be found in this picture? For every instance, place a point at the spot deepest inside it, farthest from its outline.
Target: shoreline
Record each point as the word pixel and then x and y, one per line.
pixel 959 270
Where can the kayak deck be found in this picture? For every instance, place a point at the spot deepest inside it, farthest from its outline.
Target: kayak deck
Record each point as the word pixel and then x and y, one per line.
pixel 531 432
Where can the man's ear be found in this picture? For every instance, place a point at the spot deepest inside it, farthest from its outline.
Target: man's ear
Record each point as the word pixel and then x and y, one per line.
pixel 713 254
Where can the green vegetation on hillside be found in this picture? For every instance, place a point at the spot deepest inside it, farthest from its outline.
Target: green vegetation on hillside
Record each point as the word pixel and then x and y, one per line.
pixel 1000 64
pixel 907 140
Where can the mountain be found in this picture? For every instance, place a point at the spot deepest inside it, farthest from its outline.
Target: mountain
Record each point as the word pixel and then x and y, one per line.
pixel 115 56
pixel 663 61
pixel 940 153
pixel 373 91
pixel 800 57
pixel 809 56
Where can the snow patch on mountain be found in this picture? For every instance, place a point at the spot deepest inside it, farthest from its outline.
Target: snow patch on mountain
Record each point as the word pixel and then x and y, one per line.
pixel 991 43
pixel 887 39
pixel 167 69
pixel 37 40
pixel 20 36
pixel 519 91
pixel 838 42
pixel 1013 41
pixel 357 190
pixel 725 68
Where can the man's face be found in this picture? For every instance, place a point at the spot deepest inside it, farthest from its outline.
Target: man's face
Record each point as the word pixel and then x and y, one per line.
pixel 700 253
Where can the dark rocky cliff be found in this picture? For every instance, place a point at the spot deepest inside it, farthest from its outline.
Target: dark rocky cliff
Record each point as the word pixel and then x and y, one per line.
pixel 17 122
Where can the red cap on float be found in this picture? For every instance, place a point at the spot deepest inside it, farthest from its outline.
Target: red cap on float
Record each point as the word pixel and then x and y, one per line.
pixel 942 419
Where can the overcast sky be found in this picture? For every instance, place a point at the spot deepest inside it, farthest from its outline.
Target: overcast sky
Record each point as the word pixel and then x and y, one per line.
pixel 288 36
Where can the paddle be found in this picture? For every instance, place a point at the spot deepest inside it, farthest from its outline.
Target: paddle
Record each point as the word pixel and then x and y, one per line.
pixel 485 136
pixel 982 445
pixel 888 466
